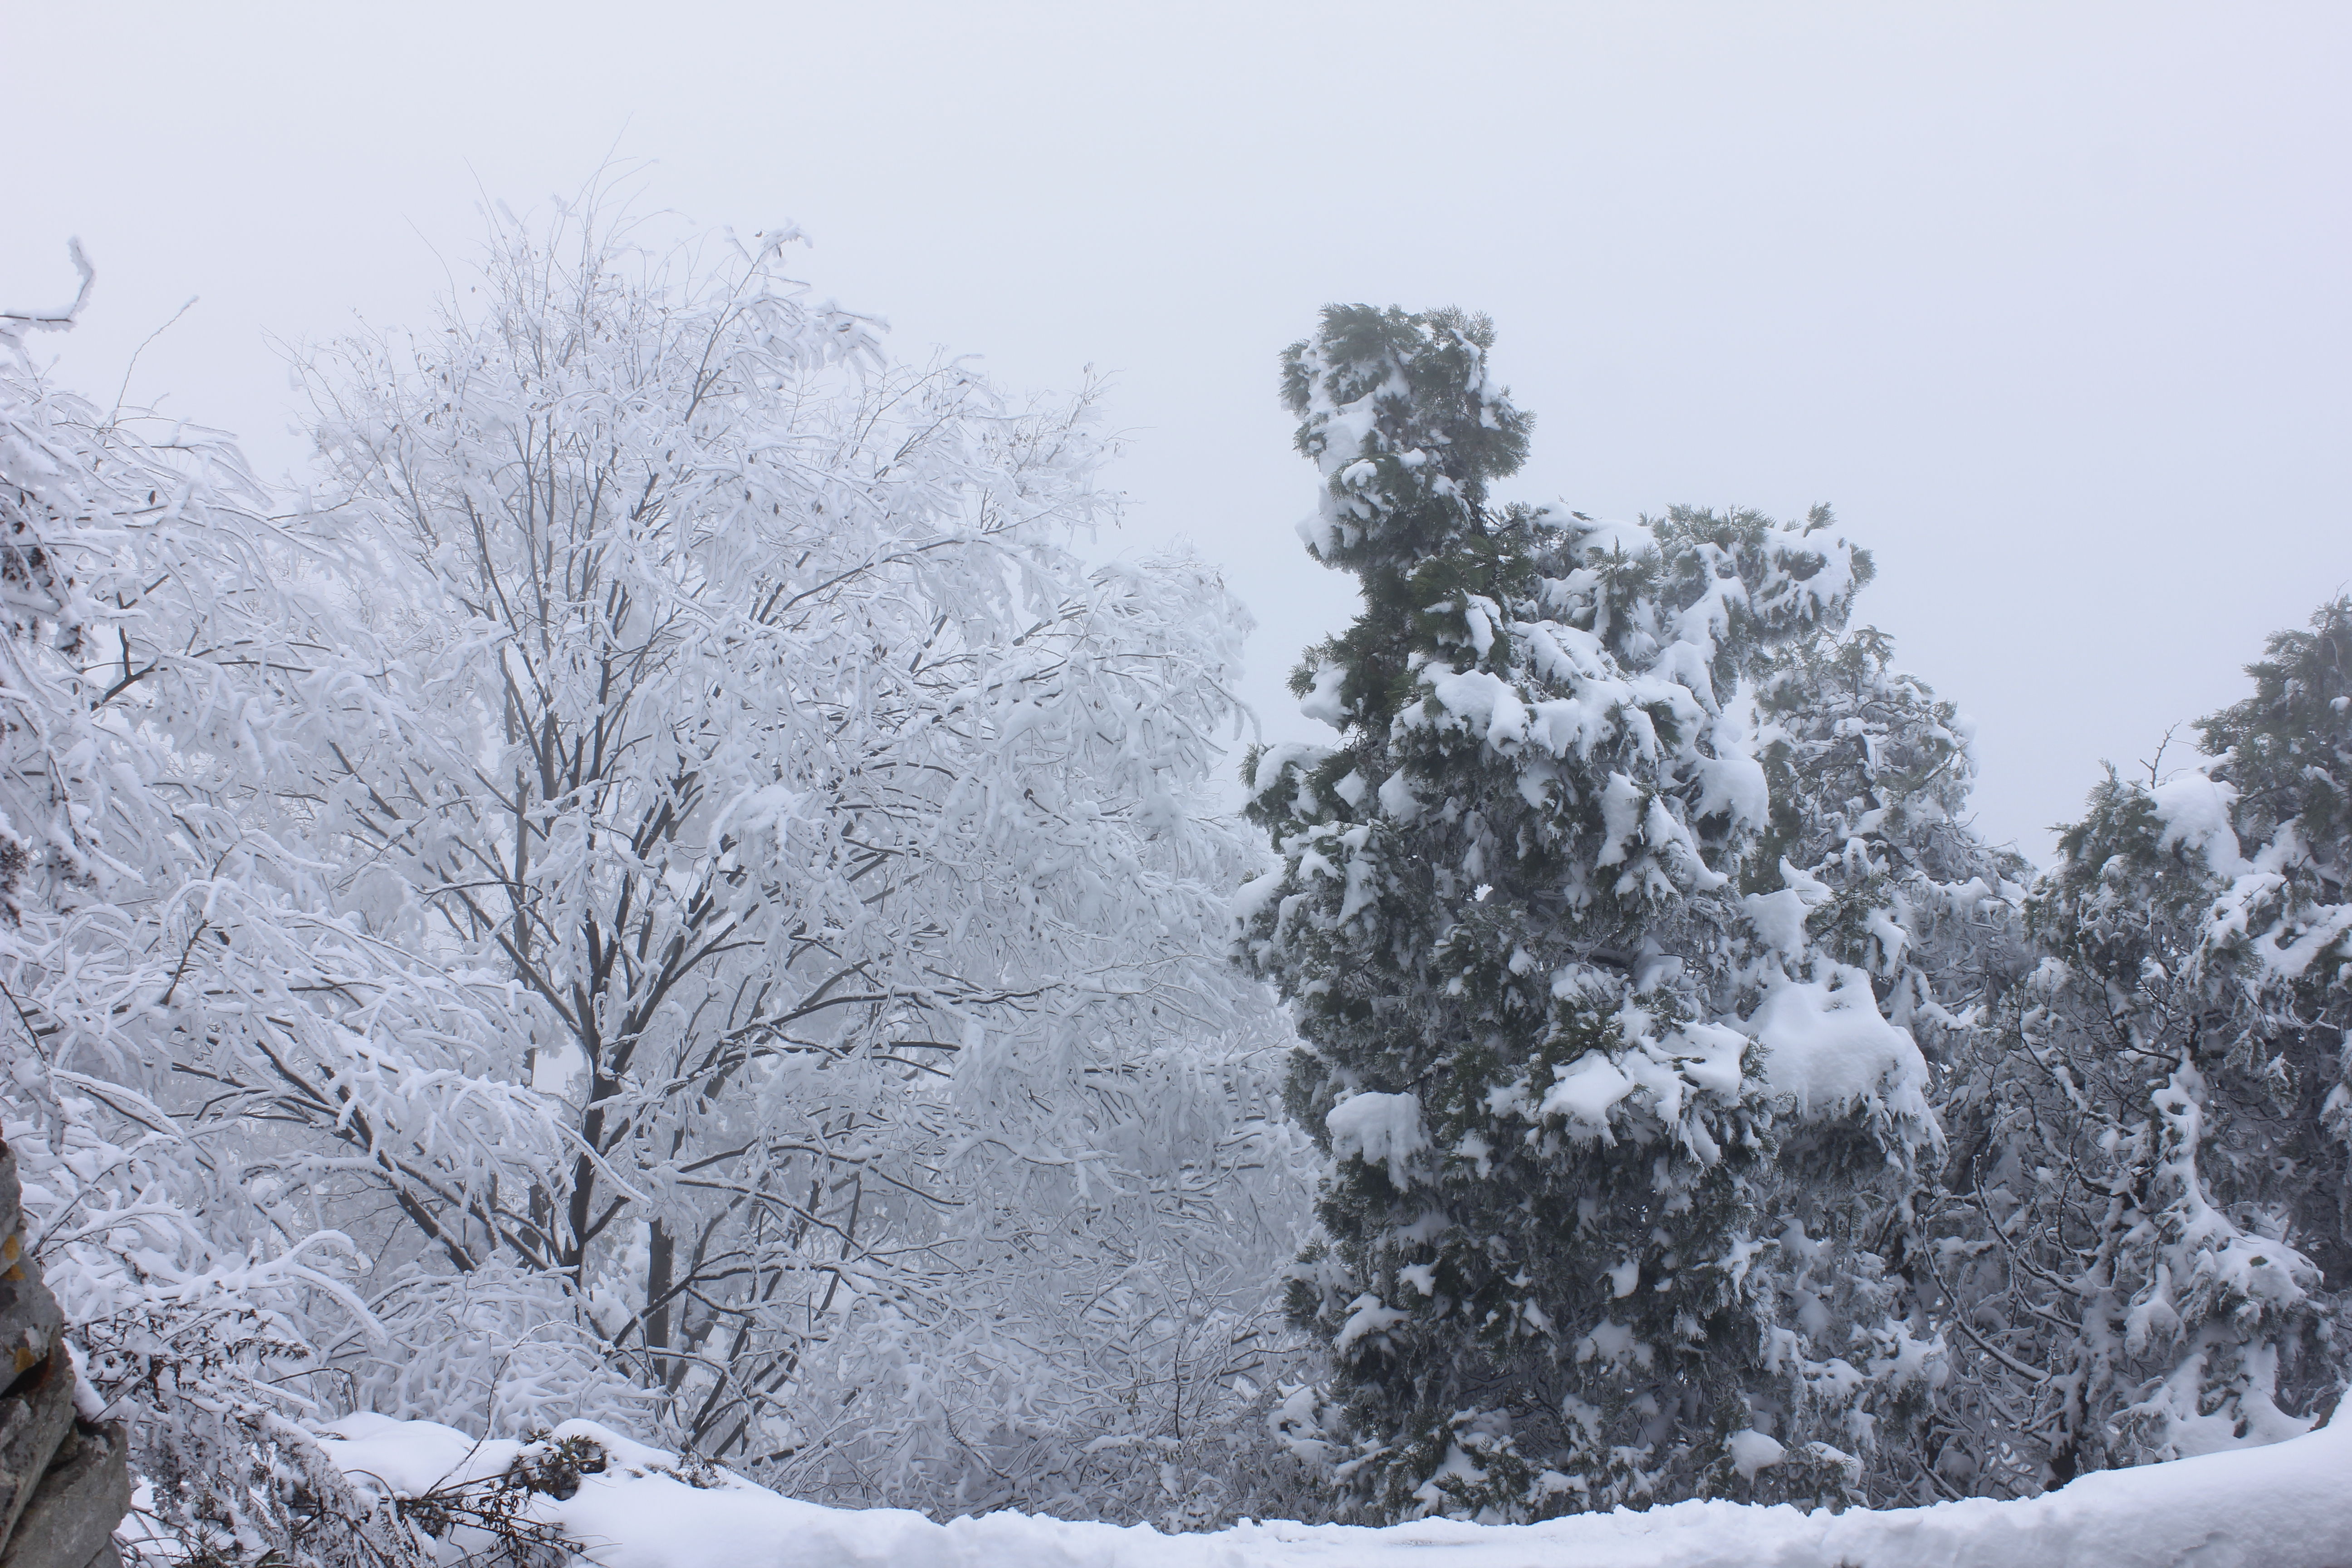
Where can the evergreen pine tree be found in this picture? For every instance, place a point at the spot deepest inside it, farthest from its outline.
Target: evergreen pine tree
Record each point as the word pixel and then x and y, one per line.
pixel 1869 858
pixel 1546 1045
pixel 1869 773
pixel 2278 944
pixel 2148 1236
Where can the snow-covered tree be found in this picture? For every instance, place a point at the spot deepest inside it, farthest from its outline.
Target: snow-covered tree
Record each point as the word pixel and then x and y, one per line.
pixel 850 844
pixel 169 939
pixel 668 890
pixel 2147 1239
pixel 1869 773
pixel 1551 1046
pixel 1870 854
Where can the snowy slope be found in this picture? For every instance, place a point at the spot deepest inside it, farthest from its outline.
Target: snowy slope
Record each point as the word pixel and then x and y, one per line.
pixel 2286 1506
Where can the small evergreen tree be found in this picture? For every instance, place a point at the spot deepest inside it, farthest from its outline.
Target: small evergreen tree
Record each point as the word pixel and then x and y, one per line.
pixel 1544 1041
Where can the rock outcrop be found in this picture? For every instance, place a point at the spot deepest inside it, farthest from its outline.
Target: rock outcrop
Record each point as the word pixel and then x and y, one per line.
pixel 65 1482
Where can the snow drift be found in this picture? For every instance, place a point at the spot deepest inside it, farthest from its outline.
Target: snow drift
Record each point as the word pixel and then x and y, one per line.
pixel 2285 1506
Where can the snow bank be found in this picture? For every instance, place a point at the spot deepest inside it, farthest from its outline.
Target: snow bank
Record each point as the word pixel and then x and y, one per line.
pixel 2286 1506
pixel 409 1458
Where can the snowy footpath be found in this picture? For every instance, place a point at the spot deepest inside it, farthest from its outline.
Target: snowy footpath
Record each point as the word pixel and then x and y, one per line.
pixel 2286 1506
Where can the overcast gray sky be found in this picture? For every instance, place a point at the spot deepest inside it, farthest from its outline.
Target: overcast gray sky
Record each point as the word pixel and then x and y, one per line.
pixel 2049 300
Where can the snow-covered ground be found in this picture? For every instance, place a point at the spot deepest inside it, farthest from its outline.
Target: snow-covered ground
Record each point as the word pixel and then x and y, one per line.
pixel 2285 1506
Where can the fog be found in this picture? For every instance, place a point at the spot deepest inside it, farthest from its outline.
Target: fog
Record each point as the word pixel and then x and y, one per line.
pixel 2048 301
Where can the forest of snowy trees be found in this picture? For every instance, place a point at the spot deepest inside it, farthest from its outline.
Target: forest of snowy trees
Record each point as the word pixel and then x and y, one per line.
pixel 669 884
